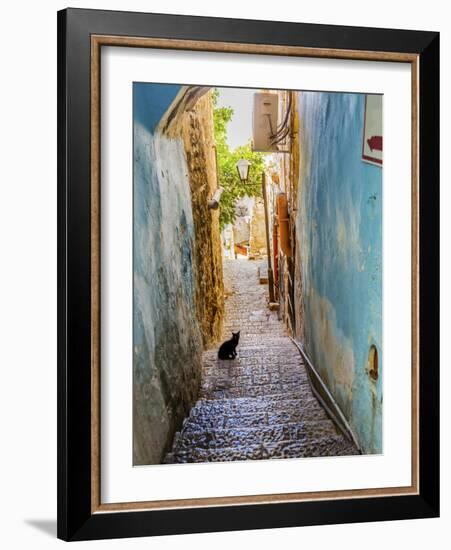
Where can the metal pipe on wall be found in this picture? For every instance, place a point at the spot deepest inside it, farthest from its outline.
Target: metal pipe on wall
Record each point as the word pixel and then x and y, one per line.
pixel 268 244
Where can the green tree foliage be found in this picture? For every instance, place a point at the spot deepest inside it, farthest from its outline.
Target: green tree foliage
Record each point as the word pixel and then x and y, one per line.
pixel 234 189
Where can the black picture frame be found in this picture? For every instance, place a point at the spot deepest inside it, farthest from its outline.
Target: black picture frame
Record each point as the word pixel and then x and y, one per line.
pixel 76 521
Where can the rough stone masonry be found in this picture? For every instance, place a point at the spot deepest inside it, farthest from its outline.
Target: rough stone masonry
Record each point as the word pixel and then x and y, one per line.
pixel 260 405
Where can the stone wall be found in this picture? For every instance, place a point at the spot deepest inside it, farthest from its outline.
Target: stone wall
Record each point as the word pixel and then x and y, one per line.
pixel 257 239
pixel 175 254
pixel 287 181
pixel 198 136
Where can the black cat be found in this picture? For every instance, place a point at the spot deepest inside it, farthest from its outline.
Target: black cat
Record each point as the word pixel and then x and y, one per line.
pixel 228 348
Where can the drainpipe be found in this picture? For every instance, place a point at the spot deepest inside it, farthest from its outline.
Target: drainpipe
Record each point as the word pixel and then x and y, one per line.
pixel 284 224
pixel 268 247
pixel 275 244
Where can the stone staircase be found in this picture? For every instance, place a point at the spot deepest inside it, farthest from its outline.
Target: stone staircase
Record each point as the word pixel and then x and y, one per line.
pixel 260 405
pixel 277 426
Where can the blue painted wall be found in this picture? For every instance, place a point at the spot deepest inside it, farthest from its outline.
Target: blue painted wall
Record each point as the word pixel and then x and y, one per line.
pixel 151 101
pixel 166 336
pixel 339 231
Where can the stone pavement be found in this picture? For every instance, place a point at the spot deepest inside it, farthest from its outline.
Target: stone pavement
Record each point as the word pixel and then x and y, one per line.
pixel 260 405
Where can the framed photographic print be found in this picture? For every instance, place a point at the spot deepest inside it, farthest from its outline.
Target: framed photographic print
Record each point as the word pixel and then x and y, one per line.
pixel 248 274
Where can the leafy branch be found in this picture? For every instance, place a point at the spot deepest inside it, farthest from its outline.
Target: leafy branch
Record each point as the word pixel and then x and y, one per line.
pixel 234 188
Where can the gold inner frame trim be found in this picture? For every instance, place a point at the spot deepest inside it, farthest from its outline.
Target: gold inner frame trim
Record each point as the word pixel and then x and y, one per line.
pixel 97 41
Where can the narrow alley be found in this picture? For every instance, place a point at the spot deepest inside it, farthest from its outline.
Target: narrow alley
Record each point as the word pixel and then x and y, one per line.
pixel 229 184
pixel 260 405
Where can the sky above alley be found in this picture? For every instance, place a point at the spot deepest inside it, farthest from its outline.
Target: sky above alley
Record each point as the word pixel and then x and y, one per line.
pixel 239 129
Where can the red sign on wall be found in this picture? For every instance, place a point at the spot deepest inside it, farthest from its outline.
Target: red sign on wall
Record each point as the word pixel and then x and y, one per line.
pixel 372 148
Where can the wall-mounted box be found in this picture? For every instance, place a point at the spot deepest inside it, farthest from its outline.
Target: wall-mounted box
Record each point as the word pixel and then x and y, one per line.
pixel 265 119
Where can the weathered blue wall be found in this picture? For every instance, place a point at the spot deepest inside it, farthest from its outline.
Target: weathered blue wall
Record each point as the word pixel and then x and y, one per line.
pixel 151 101
pixel 339 227
pixel 166 335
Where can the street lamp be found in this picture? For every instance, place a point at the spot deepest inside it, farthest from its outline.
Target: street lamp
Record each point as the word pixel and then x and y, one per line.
pixel 243 169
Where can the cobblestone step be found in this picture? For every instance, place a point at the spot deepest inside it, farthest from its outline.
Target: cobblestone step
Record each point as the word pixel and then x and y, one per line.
pixel 277 400
pixel 273 347
pixel 326 446
pixel 255 373
pixel 264 390
pixel 195 434
pixel 247 412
